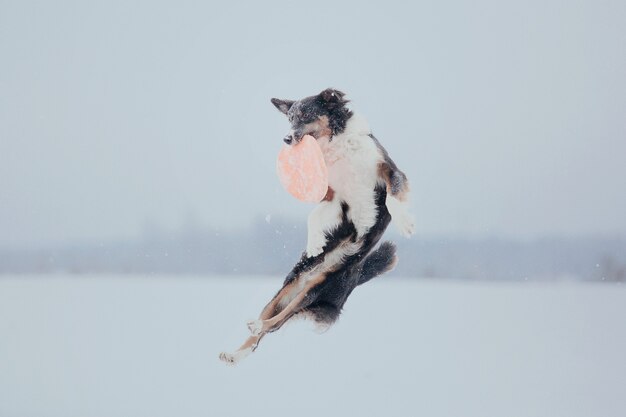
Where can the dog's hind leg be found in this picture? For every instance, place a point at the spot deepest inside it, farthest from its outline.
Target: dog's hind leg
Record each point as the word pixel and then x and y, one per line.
pixel 277 303
pixel 272 308
pixel 250 345
pixel 261 327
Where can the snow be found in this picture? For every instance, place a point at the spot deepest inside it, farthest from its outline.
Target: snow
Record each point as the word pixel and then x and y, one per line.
pixel 148 346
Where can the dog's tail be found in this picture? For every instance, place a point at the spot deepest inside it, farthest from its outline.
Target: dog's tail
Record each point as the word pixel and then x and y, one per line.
pixel 381 260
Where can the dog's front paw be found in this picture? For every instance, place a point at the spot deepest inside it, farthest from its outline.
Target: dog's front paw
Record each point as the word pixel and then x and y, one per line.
pixel 255 327
pixel 400 216
pixel 405 224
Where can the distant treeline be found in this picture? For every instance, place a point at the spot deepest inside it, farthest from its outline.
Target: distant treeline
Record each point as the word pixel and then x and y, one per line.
pixel 272 247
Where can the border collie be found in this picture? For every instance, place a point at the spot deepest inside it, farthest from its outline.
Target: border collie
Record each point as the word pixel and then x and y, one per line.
pixel 366 191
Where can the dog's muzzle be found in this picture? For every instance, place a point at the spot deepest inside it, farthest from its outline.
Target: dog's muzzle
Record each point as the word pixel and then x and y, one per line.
pixel 294 136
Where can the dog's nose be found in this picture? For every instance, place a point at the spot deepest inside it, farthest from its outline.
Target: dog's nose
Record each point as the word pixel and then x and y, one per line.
pixel 288 139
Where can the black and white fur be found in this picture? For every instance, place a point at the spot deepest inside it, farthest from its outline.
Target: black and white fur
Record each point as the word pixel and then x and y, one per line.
pixel 366 191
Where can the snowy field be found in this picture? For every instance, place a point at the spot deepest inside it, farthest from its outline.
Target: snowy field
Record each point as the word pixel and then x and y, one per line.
pixel 135 347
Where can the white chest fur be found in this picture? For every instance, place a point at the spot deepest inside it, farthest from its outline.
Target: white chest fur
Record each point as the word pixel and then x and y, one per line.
pixel 352 159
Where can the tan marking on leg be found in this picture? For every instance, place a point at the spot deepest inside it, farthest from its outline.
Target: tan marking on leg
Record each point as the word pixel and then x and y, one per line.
pixel 403 194
pixel 292 307
pixel 270 309
pixel 384 171
pixel 251 343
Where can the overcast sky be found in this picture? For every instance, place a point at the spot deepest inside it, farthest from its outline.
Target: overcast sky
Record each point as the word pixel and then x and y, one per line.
pixel 510 120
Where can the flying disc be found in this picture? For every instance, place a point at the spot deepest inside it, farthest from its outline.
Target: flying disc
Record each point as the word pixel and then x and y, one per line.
pixel 302 171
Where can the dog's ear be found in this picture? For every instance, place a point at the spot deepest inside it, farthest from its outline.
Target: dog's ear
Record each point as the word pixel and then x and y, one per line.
pixel 332 96
pixel 282 105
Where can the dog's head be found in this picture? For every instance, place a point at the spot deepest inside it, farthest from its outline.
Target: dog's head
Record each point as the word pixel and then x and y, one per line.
pixel 322 115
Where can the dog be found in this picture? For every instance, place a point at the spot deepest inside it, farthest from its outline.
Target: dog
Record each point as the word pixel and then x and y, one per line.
pixel 366 192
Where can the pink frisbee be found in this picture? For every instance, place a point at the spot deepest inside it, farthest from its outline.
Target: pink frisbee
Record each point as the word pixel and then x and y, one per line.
pixel 302 170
